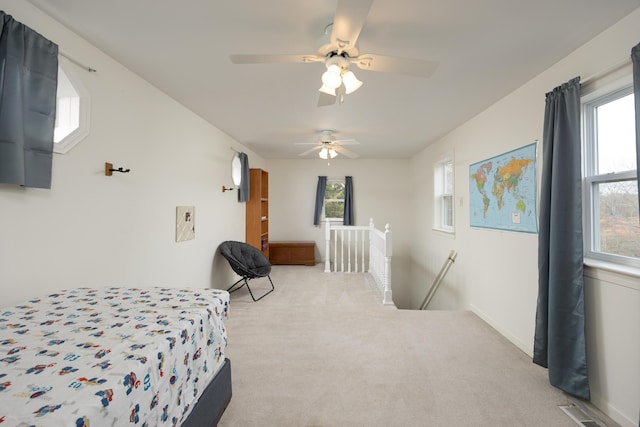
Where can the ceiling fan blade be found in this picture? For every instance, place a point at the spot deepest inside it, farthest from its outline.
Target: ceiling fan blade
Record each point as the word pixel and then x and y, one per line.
pixel 325 99
pixel 346 142
pixel 348 153
pixel 273 59
pixel 348 22
pixel 310 150
pixel 390 64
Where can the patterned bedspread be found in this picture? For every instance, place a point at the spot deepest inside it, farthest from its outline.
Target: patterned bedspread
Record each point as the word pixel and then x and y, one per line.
pixel 110 356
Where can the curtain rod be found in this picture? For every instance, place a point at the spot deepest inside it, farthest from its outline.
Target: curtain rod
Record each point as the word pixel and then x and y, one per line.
pixel 617 66
pixel 80 64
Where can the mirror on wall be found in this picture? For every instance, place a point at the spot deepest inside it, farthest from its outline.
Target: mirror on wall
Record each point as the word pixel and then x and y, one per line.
pixel 236 170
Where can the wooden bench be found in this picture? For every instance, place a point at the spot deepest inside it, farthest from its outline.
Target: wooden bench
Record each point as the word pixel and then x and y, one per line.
pixel 292 253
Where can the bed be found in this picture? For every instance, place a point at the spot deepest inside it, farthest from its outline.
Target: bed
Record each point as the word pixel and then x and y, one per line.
pixel 115 356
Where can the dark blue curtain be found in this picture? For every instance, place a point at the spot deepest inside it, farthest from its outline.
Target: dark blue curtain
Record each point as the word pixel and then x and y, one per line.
pixel 322 185
pixel 635 59
pixel 243 190
pixel 559 342
pixel 348 200
pixel 28 84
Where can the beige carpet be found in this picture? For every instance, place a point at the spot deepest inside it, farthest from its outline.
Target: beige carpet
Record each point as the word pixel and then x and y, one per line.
pixel 322 351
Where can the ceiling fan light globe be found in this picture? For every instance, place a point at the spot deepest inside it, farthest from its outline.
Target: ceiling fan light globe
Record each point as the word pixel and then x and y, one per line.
pixel 324 153
pixel 332 153
pixel 328 90
pixel 333 68
pixel 331 77
pixel 351 82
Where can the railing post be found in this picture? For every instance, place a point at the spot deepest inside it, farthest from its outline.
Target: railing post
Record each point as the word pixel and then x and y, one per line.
pixel 386 297
pixel 335 250
pixel 342 250
pixel 349 232
pixel 371 228
pixel 327 254
pixel 355 246
pixel 364 269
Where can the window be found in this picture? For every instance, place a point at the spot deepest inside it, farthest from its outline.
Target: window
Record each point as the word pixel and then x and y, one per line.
pixel 334 200
pixel 612 228
pixel 72 110
pixel 443 193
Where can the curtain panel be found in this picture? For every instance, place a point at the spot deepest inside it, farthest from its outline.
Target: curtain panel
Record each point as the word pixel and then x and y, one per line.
pixel 635 60
pixel 348 201
pixel 559 342
pixel 320 189
pixel 28 84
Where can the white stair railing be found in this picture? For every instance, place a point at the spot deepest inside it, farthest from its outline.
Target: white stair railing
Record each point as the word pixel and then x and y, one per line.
pixel 348 241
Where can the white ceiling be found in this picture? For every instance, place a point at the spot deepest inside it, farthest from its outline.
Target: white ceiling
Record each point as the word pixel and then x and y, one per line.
pixel 485 49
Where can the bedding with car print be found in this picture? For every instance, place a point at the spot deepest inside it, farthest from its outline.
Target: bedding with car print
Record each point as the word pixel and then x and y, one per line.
pixel 110 356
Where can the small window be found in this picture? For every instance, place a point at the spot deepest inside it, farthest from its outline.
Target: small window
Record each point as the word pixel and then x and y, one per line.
pixel 443 194
pixel 72 110
pixel 612 224
pixel 334 200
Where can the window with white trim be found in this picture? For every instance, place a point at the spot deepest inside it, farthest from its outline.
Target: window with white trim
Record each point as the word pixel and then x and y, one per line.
pixel 610 204
pixel 334 200
pixel 443 196
pixel 72 110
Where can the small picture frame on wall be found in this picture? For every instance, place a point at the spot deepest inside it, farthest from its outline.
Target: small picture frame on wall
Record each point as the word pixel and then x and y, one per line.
pixel 185 223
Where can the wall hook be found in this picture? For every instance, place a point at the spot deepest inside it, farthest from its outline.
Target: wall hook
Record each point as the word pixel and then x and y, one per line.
pixel 109 169
pixel 226 189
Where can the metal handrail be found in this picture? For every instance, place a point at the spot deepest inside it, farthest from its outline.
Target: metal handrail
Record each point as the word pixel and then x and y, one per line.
pixel 443 272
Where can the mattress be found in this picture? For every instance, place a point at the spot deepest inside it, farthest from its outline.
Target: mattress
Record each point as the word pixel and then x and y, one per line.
pixel 110 356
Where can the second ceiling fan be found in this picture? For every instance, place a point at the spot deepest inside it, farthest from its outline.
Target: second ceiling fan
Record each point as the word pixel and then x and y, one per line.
pixel 338 49
pixel 328 146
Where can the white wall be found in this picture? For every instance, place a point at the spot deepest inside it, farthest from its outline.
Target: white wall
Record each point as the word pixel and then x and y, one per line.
pixel 612 302
pixel 93 230
pixel 495 274
pixel 381 190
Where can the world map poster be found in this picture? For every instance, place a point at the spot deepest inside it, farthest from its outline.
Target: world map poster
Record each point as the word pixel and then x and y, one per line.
pixel 502 191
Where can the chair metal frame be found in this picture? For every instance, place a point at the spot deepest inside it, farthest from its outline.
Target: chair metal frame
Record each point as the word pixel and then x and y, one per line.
pixel 245 272
pixel 246 283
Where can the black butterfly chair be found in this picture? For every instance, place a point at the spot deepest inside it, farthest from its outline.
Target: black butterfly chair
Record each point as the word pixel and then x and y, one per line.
pixel 248 262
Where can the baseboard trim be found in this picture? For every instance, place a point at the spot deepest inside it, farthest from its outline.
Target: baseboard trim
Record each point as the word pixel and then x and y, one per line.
pixel 526 348
pixel 607 409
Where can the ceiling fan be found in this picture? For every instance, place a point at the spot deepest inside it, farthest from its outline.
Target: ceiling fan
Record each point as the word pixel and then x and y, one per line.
pixel 337 49
pixel 329 147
